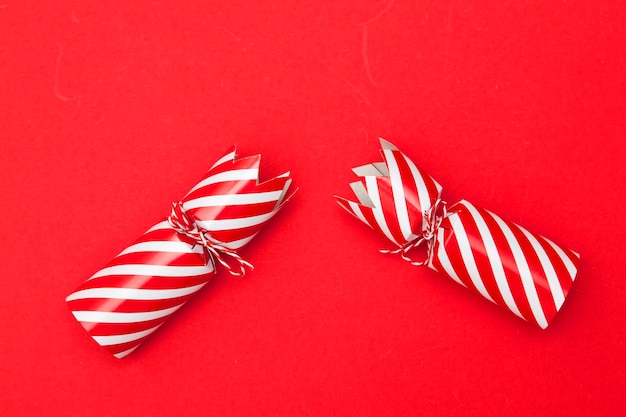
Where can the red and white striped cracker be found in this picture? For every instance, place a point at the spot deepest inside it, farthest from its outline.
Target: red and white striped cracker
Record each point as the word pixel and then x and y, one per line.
pixel 127 300
pixel 525 273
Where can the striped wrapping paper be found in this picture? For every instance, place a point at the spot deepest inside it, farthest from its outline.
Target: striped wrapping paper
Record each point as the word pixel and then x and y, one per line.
pixel 521 271
pixel 132 296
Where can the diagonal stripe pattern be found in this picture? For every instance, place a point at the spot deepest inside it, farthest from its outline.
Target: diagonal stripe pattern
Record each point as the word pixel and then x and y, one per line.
pixel 134 294
pixel 523 272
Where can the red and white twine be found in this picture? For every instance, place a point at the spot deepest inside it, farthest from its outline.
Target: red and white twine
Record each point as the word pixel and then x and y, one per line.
pixel 432 222
pixel 184 224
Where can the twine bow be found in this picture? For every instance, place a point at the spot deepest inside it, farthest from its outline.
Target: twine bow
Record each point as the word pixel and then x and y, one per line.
pixel 184 224
pixel 429 235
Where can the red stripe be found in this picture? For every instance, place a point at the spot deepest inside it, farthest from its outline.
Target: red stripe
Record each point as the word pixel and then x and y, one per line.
pixel 160 258
pixel 222 188
pixel 559 267
pixel 115 349
pixel 234 235
pixel 164 235
pixel 511 271
pixel 145 281
pixel 540 279
pixel 385 193
pixel 479 253
pixel 232 212
pixel 368 214
pixel 411 196
pixel 231 150
pixel 238 187
pixel 453 251
pixel 251 162
pixel 123 347
pixel 574 258
pixel 431 185
pixel 109 329
pixel 436 262
pixel 126 306
pixel 346 206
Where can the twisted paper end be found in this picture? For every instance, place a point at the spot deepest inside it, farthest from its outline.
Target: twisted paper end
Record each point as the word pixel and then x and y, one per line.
pixel 399 201
pixel 231 205
pixel 182 223
pixel 434 216
pixel 228 207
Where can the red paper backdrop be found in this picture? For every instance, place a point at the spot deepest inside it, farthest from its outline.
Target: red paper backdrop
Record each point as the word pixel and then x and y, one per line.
pixel 111 110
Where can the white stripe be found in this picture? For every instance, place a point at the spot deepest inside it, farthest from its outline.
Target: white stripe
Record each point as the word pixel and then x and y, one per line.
pixel 123 338
pixel 468 256
pixel 399 200
pixel 443 258
pixel 548 268
pixel 133 293
pixel 356 210
pixel 422 190
pixel 153 270
pixel 228 157
pixel 162 246
pixel 232 175
pixel 232 224
pixel 566 260
pixel 372 190
pixel 494 259
pixel 159 226
pixel 126 352
pixel 524 271
pixel 117 317
pixel 232 199
pixel 237 244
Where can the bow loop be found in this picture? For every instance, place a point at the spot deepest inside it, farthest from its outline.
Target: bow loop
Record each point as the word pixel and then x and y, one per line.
pixel 432 222
pixel 184 224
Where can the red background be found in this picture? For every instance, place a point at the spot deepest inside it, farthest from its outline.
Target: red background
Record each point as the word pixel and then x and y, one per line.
pixel 111 110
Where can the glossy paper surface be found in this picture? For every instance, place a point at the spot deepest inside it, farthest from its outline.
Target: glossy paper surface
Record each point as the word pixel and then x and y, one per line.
pixel 525 273
pixel 128 299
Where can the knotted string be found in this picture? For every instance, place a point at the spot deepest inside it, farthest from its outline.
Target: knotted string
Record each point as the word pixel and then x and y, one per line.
pixel 185 225
pixel 429 235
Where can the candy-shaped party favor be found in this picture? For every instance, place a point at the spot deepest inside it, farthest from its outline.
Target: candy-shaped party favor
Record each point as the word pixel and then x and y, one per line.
pixel 521 271
pixel 132 296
